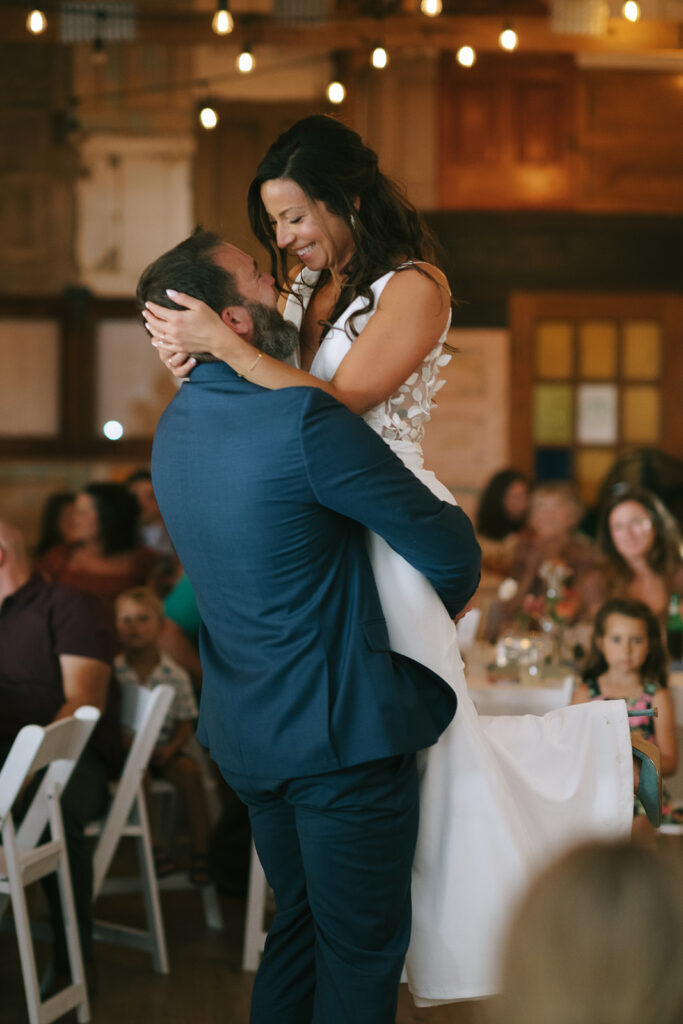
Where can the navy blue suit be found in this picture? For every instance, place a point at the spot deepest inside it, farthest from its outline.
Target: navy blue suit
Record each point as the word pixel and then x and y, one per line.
pixel 310 716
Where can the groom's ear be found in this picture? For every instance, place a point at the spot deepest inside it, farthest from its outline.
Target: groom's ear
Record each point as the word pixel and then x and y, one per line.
pixel 238 318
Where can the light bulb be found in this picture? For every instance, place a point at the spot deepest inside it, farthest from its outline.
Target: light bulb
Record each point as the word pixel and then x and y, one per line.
pixel 379 58
pixel 631 10
pixel 432 8
pixel 112 430
pixel 508 39
pixel 245 62
pixel 466 56
pixel 98 54
pixel 336 93
pixel 36 22
pixel 208 118
pixel 223 22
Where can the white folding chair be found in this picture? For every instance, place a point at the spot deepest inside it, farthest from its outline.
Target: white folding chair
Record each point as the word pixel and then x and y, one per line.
pixel 38 848
pixel 143 712
pixel 179 881
pixel 255 931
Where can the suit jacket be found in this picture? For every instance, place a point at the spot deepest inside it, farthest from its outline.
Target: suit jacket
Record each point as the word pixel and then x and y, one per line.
pixel 266 496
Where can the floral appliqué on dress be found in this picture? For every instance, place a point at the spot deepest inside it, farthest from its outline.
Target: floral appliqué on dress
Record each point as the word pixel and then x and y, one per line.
pixel 403 416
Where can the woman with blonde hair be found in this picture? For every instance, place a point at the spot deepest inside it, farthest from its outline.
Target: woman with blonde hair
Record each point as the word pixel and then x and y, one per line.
pixel 596 941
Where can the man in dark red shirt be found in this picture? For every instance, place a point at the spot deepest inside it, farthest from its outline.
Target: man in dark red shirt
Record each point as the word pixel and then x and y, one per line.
pixel 55 656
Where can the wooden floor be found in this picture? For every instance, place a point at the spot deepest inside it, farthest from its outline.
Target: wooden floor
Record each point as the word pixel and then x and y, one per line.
pixel 205 986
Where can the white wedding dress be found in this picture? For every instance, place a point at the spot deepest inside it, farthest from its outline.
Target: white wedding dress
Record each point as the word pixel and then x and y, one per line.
pixel 499 796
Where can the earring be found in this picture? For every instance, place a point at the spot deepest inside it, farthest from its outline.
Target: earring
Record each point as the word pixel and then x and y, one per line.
pixel 352 220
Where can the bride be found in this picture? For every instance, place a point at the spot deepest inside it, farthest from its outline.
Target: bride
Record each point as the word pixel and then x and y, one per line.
pixel 499 796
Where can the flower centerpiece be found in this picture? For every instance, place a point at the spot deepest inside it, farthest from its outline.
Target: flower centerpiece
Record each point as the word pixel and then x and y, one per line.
pixel 555 609
pixel 549 612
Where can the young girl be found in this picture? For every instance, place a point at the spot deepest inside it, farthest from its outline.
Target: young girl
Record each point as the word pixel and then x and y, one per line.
pixel 628 662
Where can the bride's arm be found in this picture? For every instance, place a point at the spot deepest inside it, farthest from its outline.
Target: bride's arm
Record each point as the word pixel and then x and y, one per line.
pixel 411 315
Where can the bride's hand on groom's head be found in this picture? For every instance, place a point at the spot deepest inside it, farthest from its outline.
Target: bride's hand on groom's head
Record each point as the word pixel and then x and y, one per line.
pixel 189 330
pixel 179 363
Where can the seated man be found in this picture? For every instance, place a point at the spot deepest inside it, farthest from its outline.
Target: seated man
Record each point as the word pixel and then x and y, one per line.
pixel 55 656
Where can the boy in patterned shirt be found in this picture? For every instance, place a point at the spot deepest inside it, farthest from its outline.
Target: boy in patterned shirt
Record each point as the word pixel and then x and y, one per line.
pixel 139 620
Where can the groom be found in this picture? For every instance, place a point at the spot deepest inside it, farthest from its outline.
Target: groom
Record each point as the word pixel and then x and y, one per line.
pixel 312 719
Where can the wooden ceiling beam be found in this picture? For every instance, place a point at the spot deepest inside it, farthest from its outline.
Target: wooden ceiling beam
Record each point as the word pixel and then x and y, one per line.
pixel 409 32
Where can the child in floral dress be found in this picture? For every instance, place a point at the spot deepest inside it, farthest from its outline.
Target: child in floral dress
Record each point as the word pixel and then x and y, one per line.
pixel 628 662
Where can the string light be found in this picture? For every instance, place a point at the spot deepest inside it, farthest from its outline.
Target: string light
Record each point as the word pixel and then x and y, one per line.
pixel 379 58
pixel 36 22
pixel 336 93
pixel 508 39
pixel 223 22
pixel 631 11
pixel 432 8
pixel 245 62
pixel 112 430
pixel 466 56
pixel 208 118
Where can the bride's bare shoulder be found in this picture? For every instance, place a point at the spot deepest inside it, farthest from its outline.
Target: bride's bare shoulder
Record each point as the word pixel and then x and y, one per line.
pixel 422 285
pixel 420 271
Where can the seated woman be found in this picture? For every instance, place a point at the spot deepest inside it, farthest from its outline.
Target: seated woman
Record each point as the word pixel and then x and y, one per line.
pixel 56 521
pixel 641 544
pixel 550 545
pixel 105 558
pixel 501 515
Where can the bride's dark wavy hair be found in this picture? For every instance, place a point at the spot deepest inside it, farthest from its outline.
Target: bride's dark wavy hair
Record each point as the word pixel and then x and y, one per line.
pixel 332 164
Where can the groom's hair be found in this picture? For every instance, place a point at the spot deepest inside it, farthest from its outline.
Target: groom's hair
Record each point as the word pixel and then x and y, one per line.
pixel 189 267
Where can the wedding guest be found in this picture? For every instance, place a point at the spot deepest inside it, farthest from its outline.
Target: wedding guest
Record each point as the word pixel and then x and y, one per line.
pixel 56 522
pixel 627 661
pixel 597 939
pixel 139 621
pixel 641 543
pixel 152 532
pixel 55 656
pixel 501 515
pixel 551 545
pixel 106 557
pixel 180 634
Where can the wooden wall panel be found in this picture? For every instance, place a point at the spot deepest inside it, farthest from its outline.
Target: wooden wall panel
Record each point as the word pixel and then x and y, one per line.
pixel 523 132
pixel 37 171
pixel 506 129
pixel 630 140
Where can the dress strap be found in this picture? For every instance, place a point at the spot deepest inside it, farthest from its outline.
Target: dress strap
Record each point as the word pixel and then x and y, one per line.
pixel 412 263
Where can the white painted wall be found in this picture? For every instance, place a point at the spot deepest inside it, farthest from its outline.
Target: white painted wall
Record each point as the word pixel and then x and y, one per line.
pixel 134 201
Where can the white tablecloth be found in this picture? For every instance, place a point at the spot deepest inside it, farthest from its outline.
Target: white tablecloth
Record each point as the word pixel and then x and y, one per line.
pixel 511 698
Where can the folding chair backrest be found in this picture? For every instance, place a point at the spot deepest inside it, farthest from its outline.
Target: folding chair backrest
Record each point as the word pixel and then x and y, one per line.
pixel 143 711
pixel 58 745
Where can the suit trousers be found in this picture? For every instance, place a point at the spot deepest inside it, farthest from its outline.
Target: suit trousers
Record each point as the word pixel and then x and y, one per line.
pixel 337 850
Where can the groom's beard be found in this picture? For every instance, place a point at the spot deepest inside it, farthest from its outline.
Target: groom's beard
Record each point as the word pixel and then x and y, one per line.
pixel 272 335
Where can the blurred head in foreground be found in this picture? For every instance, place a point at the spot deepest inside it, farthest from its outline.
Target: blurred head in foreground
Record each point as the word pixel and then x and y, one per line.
pixel 598 939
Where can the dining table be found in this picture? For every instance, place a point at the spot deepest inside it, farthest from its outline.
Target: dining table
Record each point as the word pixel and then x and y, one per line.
pixel 508 689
